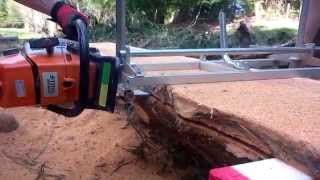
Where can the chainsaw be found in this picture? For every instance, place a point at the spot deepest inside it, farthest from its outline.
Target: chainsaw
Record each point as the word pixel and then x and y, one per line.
pixel 64 76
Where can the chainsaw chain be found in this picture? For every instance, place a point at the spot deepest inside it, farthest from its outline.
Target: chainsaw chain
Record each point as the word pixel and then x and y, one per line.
pixel 128 99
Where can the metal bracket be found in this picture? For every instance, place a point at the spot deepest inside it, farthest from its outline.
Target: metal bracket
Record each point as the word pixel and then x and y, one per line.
pixel 235 64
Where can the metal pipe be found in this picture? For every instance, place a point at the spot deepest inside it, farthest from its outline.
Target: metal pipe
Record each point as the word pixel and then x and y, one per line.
pixel 120 26
pixel 223 30
pixel 302 22
pixel 222 51
pixel 166 66
pixel 227 76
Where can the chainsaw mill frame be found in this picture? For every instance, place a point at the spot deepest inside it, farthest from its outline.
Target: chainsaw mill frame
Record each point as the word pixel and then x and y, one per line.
pixel 134 76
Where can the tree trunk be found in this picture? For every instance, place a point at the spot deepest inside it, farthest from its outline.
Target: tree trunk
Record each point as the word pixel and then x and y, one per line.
pixel 160 16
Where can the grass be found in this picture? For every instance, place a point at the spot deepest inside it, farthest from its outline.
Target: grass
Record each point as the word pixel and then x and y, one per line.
pixel 154 36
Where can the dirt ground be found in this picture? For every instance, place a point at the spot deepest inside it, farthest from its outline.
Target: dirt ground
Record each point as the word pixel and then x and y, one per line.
pixel 89 147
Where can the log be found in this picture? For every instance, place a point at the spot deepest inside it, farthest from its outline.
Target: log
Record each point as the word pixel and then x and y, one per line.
pixel 230 123
pixel 235 122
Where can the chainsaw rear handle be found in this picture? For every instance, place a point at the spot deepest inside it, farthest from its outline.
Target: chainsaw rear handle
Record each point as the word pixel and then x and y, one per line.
pixel 83 40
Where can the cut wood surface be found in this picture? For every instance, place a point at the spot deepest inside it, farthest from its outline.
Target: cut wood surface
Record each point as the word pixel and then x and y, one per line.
pixel 277 118
pixel 239 121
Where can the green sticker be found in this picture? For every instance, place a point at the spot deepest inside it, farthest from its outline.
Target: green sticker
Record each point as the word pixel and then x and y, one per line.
pixel 104 87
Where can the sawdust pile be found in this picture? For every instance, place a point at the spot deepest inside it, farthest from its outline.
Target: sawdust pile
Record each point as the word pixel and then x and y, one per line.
pixel 96 145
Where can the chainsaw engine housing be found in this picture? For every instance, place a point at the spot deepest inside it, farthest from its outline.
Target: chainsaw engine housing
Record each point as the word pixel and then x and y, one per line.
pixel 44 77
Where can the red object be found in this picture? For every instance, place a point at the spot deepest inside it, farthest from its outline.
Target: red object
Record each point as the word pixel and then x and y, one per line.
pixel 226 173
pixel 65 16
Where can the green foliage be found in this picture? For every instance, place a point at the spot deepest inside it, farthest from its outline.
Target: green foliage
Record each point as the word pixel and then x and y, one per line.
pixel 3 10
pixel 103 9
pixel 264 36
pixel 103 33
pixel 248 6
pixel 161 36
pixel 279 7
pixel 9 15
pixel 99 11
pixel 179 11
pixel 20 33
pixel 161 11
pixel 155 10
pixel 208 10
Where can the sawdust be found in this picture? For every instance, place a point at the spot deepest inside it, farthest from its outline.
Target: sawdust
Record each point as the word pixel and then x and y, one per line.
pixel 49 146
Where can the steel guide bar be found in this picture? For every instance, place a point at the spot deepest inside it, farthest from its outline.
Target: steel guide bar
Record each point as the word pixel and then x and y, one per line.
pixel 222 51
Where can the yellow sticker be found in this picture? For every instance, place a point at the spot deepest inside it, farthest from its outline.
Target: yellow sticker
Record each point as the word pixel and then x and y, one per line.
pixel 103 95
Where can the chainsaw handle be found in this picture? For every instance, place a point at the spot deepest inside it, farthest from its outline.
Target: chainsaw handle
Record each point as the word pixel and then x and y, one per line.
pixel 83 40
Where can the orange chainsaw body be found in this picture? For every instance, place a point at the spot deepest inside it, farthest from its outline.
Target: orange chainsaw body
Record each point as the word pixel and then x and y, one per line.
pixel 61 75
pixel 17 87
pixel 56 76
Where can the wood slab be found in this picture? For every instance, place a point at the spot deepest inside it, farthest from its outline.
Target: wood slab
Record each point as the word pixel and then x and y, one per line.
pixel 234 122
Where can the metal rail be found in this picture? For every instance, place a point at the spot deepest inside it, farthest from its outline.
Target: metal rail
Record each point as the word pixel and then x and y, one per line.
pixel 226 76
pixel 214 66
pixel 167 66
pixel 222 51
